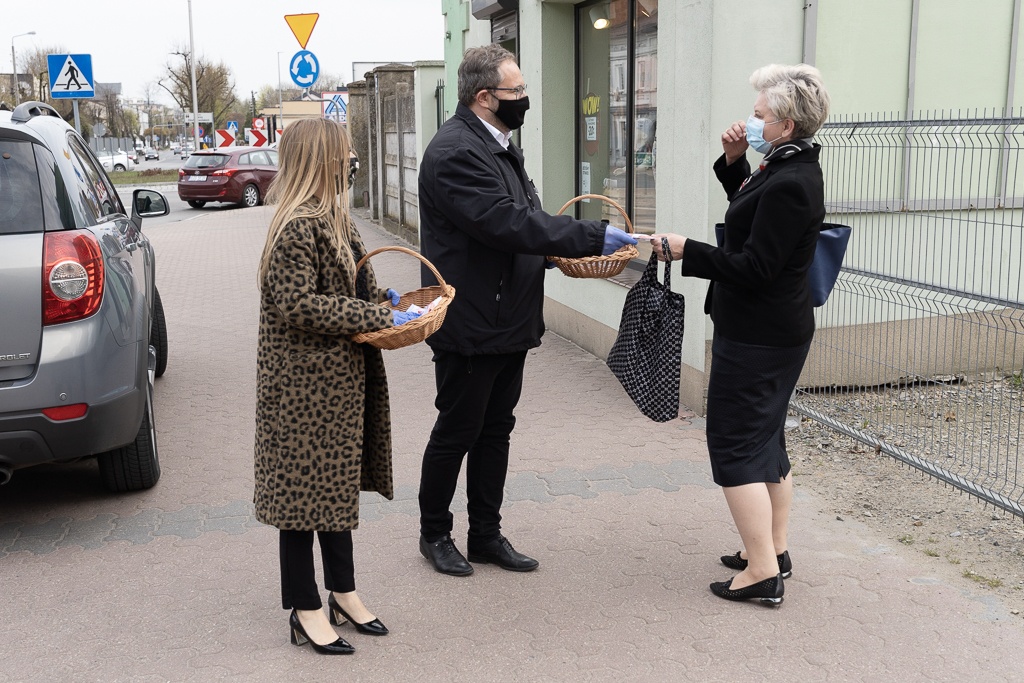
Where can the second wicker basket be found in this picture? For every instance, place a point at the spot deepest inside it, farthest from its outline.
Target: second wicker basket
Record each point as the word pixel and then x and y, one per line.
pixel 597 266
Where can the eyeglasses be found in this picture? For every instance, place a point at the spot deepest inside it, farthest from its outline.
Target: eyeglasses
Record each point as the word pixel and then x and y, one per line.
pixel 518 91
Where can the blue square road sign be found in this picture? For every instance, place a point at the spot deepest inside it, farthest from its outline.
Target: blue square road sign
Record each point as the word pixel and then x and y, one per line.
pixel 70 76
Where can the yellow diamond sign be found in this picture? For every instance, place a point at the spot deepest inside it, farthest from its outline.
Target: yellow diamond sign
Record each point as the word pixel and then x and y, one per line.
pixel 301 26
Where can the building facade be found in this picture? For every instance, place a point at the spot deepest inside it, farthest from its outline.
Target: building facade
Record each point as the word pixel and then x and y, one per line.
pixel 629 97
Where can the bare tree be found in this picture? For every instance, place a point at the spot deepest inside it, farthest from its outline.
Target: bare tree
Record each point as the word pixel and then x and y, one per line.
pixel 268 95
pixel 328 82
pixel 215 88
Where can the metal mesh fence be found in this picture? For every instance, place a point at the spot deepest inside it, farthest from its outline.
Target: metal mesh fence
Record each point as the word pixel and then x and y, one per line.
pixel 920 349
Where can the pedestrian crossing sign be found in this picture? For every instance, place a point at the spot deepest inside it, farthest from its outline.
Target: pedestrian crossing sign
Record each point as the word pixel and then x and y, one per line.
pixel 70 76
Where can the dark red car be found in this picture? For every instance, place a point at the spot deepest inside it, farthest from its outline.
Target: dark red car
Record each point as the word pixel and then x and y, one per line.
pixel 240 175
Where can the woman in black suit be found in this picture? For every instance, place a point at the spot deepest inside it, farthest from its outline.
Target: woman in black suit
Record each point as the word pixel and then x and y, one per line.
pixel 761 306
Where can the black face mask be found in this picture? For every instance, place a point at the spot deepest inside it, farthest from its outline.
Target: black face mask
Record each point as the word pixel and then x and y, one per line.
pixel 353 167
pixel 512 112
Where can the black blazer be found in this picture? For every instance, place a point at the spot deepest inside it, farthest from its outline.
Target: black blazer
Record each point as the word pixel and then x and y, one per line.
pixel 759 291
pixel 482 227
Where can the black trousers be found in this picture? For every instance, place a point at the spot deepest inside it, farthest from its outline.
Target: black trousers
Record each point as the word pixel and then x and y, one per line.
pixel 476 399
pixel 298 579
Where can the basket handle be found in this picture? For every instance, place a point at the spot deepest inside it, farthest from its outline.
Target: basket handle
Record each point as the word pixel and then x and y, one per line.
pixel 629 224
pixel 410 252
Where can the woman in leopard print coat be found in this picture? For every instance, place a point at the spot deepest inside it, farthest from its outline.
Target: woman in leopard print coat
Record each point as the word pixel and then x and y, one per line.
pixel 323 427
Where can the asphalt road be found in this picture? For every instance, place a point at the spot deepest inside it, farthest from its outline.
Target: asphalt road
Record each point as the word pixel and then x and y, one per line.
pixel 180 211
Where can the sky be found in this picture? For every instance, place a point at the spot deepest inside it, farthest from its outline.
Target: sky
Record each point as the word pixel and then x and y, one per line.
pixel 131 40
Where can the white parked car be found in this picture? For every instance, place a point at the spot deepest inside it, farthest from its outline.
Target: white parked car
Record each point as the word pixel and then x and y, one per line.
pixel 117 161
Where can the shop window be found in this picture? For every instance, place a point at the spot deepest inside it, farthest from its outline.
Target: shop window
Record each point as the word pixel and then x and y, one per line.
pixel 617 87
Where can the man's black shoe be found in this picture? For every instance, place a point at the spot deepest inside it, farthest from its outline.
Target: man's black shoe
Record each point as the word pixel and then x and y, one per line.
pixel 500 552
pixel 445 557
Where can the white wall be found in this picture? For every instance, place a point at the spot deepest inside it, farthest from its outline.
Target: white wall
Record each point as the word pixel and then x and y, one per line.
pixel 425 81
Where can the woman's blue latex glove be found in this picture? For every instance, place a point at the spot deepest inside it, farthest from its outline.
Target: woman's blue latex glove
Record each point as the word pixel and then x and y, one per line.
pixel 394 296
pixel 400 317
pixel 615 239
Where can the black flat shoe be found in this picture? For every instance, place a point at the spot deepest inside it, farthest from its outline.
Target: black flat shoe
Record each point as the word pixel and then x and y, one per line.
pixel 739 564
pixel 500 552
pixel 299 637
pixel 370 628
pixel 445 557
pixel 769 591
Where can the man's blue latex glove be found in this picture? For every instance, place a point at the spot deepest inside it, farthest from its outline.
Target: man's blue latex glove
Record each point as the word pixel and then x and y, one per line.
pixel 615 239
pixel 394 296
pixel 400 317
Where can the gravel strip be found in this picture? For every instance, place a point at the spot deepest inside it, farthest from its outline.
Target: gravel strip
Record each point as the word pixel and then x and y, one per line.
pixel 955 533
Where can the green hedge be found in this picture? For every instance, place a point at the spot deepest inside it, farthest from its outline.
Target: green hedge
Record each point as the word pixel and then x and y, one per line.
pixel 150 175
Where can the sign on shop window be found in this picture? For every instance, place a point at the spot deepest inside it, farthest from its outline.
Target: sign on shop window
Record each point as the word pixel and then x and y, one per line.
pixel 591 106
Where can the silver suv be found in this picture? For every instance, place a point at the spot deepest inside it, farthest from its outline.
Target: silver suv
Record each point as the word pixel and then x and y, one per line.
pixel 82 331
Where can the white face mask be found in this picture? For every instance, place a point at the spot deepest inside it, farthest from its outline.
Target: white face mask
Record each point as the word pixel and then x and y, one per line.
pixel 755 134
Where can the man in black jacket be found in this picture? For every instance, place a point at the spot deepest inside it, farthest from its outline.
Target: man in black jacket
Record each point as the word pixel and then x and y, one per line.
pixel 482 227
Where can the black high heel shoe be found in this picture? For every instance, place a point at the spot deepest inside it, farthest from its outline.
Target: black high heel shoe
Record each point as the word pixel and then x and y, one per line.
pixel 300 637
pixel 370 628
pixel 739 564
pixel 769 591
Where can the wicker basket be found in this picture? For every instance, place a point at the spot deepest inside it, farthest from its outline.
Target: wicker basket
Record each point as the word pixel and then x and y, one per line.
pixel 597 266
pixel 418 329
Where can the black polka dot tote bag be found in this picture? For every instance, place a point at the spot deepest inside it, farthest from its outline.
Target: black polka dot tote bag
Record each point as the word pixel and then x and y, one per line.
pixel 647 352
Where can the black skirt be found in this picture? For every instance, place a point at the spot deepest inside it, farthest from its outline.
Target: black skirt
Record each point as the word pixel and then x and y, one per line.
pixel 748 398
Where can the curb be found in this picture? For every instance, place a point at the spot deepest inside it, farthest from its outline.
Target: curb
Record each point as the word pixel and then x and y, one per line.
pixel 148 186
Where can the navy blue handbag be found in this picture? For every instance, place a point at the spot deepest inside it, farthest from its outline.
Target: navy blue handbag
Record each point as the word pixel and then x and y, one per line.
pixel 828 258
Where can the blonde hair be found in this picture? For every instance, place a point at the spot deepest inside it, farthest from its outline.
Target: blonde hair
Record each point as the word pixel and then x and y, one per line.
pixel 311 182
pixel 794 92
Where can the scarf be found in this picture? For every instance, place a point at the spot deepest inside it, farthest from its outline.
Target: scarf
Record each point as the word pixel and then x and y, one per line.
pixel 783 151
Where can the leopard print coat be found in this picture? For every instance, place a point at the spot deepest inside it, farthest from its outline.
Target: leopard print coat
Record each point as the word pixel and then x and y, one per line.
pixel 323 425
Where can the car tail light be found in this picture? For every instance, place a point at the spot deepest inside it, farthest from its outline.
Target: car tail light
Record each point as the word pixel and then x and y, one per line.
pixel 71 412
pixel 72 276
pixel 181 173
pixel 227 172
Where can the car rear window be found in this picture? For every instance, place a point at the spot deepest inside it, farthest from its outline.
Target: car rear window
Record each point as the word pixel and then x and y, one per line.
pixel 202 161
pixel 21 200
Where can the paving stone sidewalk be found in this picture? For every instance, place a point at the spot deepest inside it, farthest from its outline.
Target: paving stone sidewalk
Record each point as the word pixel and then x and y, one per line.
pixel 180 583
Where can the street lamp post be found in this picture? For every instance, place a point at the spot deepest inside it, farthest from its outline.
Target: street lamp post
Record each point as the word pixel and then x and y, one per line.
pixel 192 63
pixel 14 65
pixel 280 99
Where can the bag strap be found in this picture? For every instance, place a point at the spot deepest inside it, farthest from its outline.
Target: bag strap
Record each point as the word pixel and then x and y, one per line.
pixel 668 262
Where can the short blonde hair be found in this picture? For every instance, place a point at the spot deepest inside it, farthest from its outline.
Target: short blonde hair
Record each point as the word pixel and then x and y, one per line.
pixel 794 92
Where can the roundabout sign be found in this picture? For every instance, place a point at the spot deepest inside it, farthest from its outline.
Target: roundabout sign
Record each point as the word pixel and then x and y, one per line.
pixel 304 68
